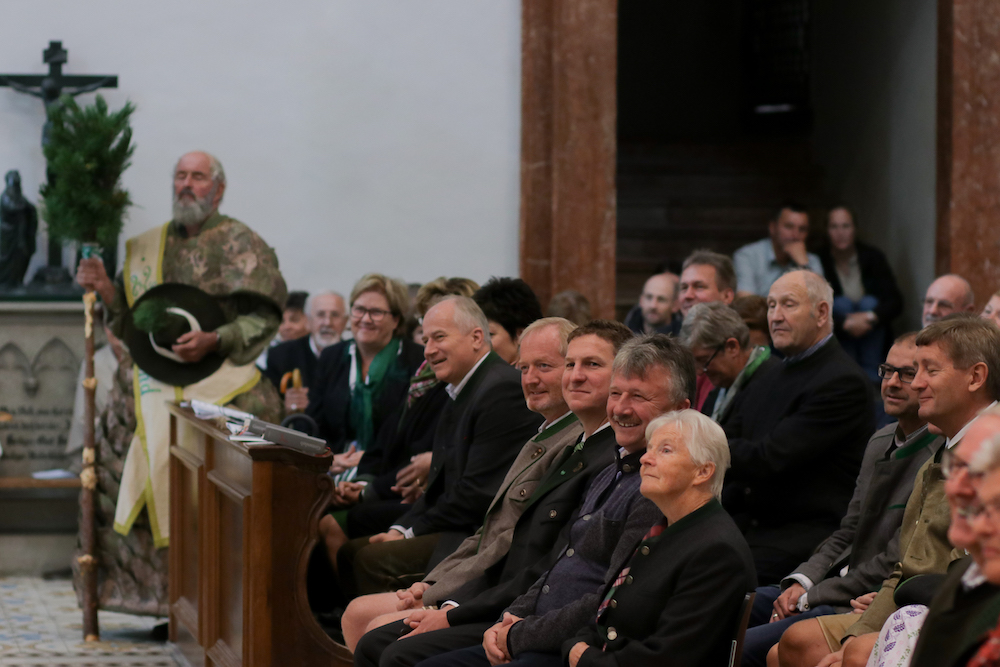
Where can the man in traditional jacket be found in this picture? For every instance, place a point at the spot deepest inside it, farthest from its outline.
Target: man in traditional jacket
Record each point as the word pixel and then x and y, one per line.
pixel 227 260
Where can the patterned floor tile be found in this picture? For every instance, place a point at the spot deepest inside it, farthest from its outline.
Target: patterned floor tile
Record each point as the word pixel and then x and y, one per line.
pixel 40 624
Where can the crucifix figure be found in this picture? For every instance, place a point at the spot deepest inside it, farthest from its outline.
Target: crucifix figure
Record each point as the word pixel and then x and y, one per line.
pixel 49 88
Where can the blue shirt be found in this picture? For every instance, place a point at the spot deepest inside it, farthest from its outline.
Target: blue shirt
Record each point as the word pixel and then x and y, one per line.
pixel 757 267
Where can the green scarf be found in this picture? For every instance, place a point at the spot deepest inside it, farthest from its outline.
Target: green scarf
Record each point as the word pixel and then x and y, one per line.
pixel 757 357
pixel 364 394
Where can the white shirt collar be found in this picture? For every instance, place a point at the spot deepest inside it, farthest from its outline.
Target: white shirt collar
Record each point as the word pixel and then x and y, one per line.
pixel 599 429
pixel 314 347
pixel 951 442
pixel 549 424
pixel 973 577
pixel 455 389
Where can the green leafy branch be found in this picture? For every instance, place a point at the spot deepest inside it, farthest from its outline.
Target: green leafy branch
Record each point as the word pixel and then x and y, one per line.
pixel 88 150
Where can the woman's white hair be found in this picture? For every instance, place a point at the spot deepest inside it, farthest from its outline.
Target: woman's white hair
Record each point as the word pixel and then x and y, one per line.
pixel 706 442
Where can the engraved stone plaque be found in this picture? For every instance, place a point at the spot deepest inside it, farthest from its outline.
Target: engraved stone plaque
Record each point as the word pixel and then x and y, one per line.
pixel 41 346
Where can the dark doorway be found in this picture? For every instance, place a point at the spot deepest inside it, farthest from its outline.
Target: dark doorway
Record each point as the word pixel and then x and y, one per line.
pixel 714 119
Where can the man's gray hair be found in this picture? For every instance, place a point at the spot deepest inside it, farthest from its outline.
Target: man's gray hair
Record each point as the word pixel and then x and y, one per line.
pixel 710 325
pixel 562 326
pixel 312 297
pixel 706 442
pixel 468 315
pixel 817 287
pixel 638 355
pixel 215 169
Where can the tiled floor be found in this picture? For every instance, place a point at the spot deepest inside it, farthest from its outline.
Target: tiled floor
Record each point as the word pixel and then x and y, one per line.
pixel 40 624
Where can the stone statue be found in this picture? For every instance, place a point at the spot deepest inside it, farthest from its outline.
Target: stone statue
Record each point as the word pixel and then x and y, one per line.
pixel 18 227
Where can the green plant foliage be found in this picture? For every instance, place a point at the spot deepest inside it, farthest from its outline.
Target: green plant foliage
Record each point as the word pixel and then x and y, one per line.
pixel 151 316
pixel 88 150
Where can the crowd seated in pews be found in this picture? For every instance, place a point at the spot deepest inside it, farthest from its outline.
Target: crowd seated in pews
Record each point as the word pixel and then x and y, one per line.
pixel 540 491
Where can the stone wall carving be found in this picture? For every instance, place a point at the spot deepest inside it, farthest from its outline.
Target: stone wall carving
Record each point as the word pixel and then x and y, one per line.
pixel 39 396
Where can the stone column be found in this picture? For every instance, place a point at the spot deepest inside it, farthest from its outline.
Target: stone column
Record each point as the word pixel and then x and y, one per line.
pixel 968 174
pixel 568 104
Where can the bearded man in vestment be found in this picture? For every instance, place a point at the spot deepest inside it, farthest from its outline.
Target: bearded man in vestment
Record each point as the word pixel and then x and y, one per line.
pixel 227 260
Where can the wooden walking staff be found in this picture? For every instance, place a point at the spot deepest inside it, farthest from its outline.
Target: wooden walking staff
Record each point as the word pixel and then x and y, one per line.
pixel 86 151
pixel 88 480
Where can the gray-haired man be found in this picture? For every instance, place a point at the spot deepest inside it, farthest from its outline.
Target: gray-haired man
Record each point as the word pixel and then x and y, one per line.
pixel 719 339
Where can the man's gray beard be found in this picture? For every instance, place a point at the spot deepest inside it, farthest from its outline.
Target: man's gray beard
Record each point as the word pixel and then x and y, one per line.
pixel 189 213
pixel 325 340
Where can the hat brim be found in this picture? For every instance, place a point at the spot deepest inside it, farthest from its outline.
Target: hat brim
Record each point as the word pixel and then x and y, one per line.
pixel 204 307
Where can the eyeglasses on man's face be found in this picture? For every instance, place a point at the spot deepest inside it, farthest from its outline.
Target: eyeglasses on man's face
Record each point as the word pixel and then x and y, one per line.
pixel 704 369
pixel 906 373
pixel 952 465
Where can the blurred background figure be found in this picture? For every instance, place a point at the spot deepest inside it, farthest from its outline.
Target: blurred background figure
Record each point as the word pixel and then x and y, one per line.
pixel 951 293
pixel 570 305
pixel 992 309
pixel 656 312
pixel 865 296
pixel 753 310
pixel 294 323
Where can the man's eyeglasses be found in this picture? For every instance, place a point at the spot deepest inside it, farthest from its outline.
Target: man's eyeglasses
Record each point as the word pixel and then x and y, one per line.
pixel 704 369
pixel 906 373
pixel 989 511
pixel 376 314
pixel 952 465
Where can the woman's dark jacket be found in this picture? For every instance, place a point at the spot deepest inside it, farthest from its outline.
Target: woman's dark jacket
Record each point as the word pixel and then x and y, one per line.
pixel 877 279
pixel 330 395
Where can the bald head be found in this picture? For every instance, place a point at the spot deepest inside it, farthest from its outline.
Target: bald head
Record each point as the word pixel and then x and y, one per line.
pixel 657 300
pixel 798 311
pixel 948 294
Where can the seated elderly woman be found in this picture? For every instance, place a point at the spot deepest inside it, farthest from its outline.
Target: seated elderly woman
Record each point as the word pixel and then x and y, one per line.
pixel 678 599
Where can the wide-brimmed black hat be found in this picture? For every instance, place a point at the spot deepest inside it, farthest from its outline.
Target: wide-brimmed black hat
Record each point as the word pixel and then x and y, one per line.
pixel 179 308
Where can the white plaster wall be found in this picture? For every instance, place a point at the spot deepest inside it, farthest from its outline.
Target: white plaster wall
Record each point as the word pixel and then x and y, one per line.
pixel 357 135
pixel 875 82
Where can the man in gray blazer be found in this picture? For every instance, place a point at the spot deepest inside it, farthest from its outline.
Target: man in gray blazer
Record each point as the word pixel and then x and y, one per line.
pixel 856 558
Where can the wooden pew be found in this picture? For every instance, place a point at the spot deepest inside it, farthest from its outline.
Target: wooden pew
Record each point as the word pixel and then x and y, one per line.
pixel 243 522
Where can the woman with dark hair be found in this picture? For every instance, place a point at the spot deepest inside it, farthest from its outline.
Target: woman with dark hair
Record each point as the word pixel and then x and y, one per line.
pixel 865 296
pixel 510 305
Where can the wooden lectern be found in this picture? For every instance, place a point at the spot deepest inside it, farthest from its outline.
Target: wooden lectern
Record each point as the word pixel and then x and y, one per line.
pixel 243 522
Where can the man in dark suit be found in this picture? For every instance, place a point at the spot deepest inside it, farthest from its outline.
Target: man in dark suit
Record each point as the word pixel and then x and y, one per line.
pixel 480 431
pixel 798 439
pixel 867 541
pixel 326 317
pixel 556 595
